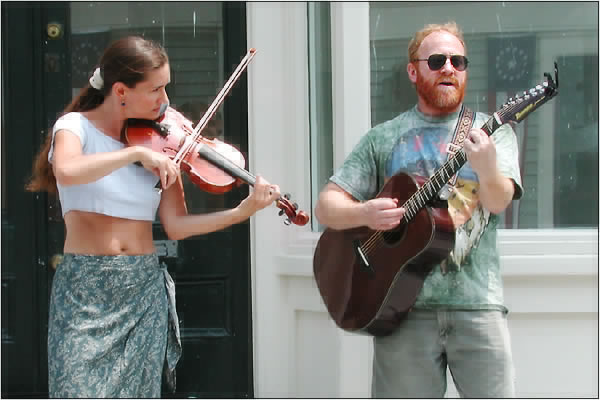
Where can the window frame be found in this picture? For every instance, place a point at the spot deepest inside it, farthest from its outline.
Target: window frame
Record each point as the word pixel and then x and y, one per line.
pixel 351 119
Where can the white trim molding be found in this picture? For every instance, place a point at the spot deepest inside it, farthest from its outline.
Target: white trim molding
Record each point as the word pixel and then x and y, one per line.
pixel 351 76
pixel 550 276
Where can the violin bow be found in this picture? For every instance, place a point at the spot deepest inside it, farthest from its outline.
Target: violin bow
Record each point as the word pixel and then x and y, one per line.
pixel 192 141
pixel 286 207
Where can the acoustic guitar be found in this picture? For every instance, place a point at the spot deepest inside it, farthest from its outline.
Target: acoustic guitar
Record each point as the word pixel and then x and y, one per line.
pixel 370 279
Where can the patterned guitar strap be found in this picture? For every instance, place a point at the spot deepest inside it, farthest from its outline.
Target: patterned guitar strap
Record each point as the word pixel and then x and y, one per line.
pixel 461 131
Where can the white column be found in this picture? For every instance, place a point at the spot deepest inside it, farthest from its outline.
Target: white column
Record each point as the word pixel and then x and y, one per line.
pixel 351 78
pixel 277 140
pixel 351 82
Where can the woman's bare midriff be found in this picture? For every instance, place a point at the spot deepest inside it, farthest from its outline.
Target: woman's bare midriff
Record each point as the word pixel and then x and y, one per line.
pixel 99 234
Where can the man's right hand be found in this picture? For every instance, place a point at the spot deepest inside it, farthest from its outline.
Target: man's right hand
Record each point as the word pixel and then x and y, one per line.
pixel 382 214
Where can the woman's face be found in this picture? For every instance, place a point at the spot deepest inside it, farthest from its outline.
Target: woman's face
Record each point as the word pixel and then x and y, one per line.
pixel 145 99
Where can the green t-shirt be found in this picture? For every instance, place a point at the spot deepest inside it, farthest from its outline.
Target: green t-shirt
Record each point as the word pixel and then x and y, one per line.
pixel 416 143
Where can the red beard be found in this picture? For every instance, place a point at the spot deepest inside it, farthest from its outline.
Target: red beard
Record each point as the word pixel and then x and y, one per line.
pixel 443 99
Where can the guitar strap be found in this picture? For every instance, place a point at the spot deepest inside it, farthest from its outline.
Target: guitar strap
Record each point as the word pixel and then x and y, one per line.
pixel 461 131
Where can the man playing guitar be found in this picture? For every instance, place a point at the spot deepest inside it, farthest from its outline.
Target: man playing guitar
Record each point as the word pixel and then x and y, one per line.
pixel 459 318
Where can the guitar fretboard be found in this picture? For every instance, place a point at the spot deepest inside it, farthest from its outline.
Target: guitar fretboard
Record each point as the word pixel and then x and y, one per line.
pixel 429 190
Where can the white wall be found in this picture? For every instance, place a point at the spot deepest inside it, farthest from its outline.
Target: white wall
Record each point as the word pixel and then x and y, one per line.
pixel 551 277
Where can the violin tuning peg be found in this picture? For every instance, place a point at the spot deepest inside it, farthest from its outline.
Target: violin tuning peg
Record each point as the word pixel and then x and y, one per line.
pixel 287 196
pixel 287 221
pixel 280 213
pixel 295 205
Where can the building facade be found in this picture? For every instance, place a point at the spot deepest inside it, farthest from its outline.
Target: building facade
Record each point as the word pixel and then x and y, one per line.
pixel 253 322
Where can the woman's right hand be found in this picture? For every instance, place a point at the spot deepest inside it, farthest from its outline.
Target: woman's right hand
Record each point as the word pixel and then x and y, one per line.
pixel 160 165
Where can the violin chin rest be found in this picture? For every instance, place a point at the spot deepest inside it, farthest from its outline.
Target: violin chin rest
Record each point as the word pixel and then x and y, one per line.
pixel 163 108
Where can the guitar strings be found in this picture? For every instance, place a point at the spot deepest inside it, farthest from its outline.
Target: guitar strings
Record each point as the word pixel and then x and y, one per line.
pixel 441 175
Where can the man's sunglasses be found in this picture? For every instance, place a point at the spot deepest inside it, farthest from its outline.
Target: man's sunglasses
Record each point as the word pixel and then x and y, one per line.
pixel 437 61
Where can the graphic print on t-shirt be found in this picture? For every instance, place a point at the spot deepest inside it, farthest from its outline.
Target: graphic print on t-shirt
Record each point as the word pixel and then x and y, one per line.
pixel 421 151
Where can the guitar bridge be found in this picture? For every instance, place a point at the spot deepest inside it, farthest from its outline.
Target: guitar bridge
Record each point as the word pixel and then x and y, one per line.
pixel 364 264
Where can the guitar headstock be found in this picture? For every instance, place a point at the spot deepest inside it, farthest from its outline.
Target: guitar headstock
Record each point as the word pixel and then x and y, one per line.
pixel 518 108
pixel 291 211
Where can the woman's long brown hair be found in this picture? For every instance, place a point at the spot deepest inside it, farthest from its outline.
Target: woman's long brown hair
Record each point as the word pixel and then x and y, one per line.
pixel 126 60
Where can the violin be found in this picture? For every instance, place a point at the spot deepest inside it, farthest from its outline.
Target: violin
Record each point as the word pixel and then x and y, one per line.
pixel 212 165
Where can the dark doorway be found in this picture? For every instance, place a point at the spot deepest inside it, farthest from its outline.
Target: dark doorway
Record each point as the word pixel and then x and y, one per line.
pixel 49 50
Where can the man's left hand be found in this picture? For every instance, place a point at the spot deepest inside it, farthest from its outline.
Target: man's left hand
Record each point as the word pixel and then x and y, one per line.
pixel 481 153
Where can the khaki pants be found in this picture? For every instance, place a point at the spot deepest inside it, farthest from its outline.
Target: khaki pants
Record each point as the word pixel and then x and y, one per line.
pixel 474 345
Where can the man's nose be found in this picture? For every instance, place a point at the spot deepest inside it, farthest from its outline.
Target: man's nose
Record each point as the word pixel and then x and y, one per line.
pixel 447 67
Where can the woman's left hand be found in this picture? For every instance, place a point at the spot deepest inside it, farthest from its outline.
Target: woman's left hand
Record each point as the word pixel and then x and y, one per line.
pixel 260 197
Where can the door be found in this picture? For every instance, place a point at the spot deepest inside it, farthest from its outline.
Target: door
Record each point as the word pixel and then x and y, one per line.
pixel 23 273
pixel 205 42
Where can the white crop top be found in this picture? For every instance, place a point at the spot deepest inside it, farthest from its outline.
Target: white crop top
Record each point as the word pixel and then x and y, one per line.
pixel 127 192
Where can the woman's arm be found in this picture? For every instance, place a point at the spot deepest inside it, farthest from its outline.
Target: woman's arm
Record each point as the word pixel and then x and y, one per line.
pixel 179 224
pixel 72 167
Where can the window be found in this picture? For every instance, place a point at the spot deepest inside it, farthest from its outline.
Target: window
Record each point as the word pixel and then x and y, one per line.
pixel 510 45
pixel 320 101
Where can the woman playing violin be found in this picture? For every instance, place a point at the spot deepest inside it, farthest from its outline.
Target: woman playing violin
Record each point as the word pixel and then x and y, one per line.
pixel 112 324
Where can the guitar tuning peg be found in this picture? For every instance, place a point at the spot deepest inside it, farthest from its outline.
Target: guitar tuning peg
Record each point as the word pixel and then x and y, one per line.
pixel 280 213
pixel 287 196
pixel 287 221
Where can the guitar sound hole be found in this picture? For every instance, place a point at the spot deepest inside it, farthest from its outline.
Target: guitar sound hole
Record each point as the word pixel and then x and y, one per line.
pixel 392 237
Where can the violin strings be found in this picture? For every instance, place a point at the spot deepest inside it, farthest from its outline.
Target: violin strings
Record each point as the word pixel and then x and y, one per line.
pixel 183 152
pixel 228 165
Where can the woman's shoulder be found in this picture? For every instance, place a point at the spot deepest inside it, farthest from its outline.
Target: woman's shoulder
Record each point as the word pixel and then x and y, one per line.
pixel 74 122
pixel 69 120
pixel 71 116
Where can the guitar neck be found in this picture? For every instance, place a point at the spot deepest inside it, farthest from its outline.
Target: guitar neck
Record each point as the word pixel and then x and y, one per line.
pixel 429 190
pixel 514 110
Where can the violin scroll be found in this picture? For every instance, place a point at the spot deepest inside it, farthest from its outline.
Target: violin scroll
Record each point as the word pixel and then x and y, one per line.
pixel 294 216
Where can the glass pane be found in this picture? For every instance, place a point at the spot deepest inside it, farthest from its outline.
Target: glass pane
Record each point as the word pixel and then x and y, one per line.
pixel 510 45
pixel 576 146
pixel 320 107
pixel 192 34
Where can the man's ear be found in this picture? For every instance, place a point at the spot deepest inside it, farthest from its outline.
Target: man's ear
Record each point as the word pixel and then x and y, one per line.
pixel 412 72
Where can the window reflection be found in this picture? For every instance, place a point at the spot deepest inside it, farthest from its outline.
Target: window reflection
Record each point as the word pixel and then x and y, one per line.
pixel 320 100
pixel 508 53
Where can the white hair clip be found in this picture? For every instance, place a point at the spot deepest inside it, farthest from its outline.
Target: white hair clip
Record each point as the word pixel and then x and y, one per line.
pixel 96 80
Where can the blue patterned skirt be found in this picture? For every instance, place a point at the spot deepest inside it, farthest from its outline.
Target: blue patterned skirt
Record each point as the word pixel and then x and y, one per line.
pixel 112 327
